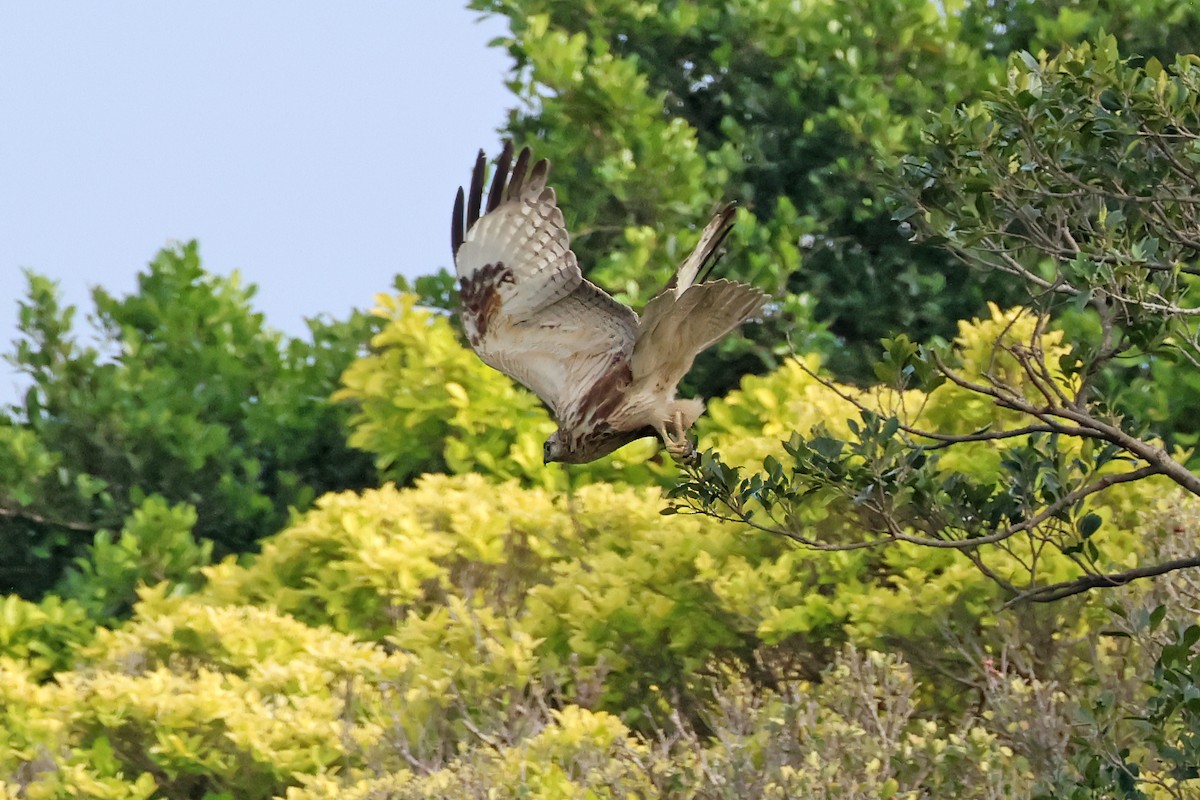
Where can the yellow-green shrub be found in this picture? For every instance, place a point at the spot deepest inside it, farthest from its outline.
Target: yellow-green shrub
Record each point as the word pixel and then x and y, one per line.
pixel 44 635
pixel 577 754
pixel 155 544
pixel 234 699
pixel 480 607
pixel 198 698
pixel 599 579
pixel 473 632
pixel 426 403
pixel 860 732
pixel 908 588
pixel 362 562
pixel 611 598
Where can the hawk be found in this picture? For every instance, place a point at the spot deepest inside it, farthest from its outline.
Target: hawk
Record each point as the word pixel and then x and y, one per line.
pixel 608 375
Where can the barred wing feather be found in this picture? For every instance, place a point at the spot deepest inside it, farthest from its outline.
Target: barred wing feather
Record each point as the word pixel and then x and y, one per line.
pixel 526 307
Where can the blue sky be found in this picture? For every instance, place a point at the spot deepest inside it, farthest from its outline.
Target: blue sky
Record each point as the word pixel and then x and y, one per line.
pixel 314 147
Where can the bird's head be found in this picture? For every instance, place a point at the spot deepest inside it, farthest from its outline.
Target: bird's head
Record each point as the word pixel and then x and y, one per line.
pixel 553 450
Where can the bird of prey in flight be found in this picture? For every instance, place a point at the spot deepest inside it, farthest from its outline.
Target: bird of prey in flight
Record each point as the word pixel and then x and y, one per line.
pixel 608 375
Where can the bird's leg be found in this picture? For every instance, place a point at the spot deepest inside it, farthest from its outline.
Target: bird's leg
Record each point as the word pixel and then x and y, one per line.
pixel 676 440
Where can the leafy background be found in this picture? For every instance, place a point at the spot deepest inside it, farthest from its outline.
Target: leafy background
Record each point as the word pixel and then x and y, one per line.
pixel 245 565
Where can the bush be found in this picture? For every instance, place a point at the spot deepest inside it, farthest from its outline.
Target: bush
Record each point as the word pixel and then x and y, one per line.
pixel 459 636
pixel 42 637
pixel 155 545
pixel 425 403
pixel 188 396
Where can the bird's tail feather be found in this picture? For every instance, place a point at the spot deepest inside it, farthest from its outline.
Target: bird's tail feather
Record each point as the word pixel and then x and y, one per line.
pixel 671 338
pixel 706 251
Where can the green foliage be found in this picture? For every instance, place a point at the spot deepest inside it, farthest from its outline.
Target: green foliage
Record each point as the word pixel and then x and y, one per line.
pixel 42 636
pixel 425 403
pixel 856 457
pixel 155 545
pixel 188 396
pixel 1174 711
pixel 1150 752
pixel 1076 176
pixel 653 114
pixel 1150 28
pixel 599 583
pixel 1073 178
pixel 1091 156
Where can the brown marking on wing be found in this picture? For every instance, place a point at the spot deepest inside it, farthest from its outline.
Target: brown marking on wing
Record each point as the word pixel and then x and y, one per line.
pixel 606 395
pixel 480 294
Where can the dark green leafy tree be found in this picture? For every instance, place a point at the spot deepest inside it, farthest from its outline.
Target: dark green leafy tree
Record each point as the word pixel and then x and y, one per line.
pixel 187 396
pixel 1160 29
pixel 653 114
pixel 1078 178
pixel 656 112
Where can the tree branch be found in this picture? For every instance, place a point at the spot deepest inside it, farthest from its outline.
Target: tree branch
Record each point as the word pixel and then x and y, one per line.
pixel 1057 591
pixel 30 516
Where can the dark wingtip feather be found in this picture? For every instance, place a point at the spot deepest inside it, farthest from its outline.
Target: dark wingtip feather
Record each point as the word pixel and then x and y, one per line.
pixel 475 195
pixel 517 180
pixel 506 184
pixel 500 178
pixel 456 224
pixel 540 173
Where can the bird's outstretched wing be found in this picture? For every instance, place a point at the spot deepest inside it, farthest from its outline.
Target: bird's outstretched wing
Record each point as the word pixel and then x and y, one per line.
pixel 687 317
pixel 526 307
